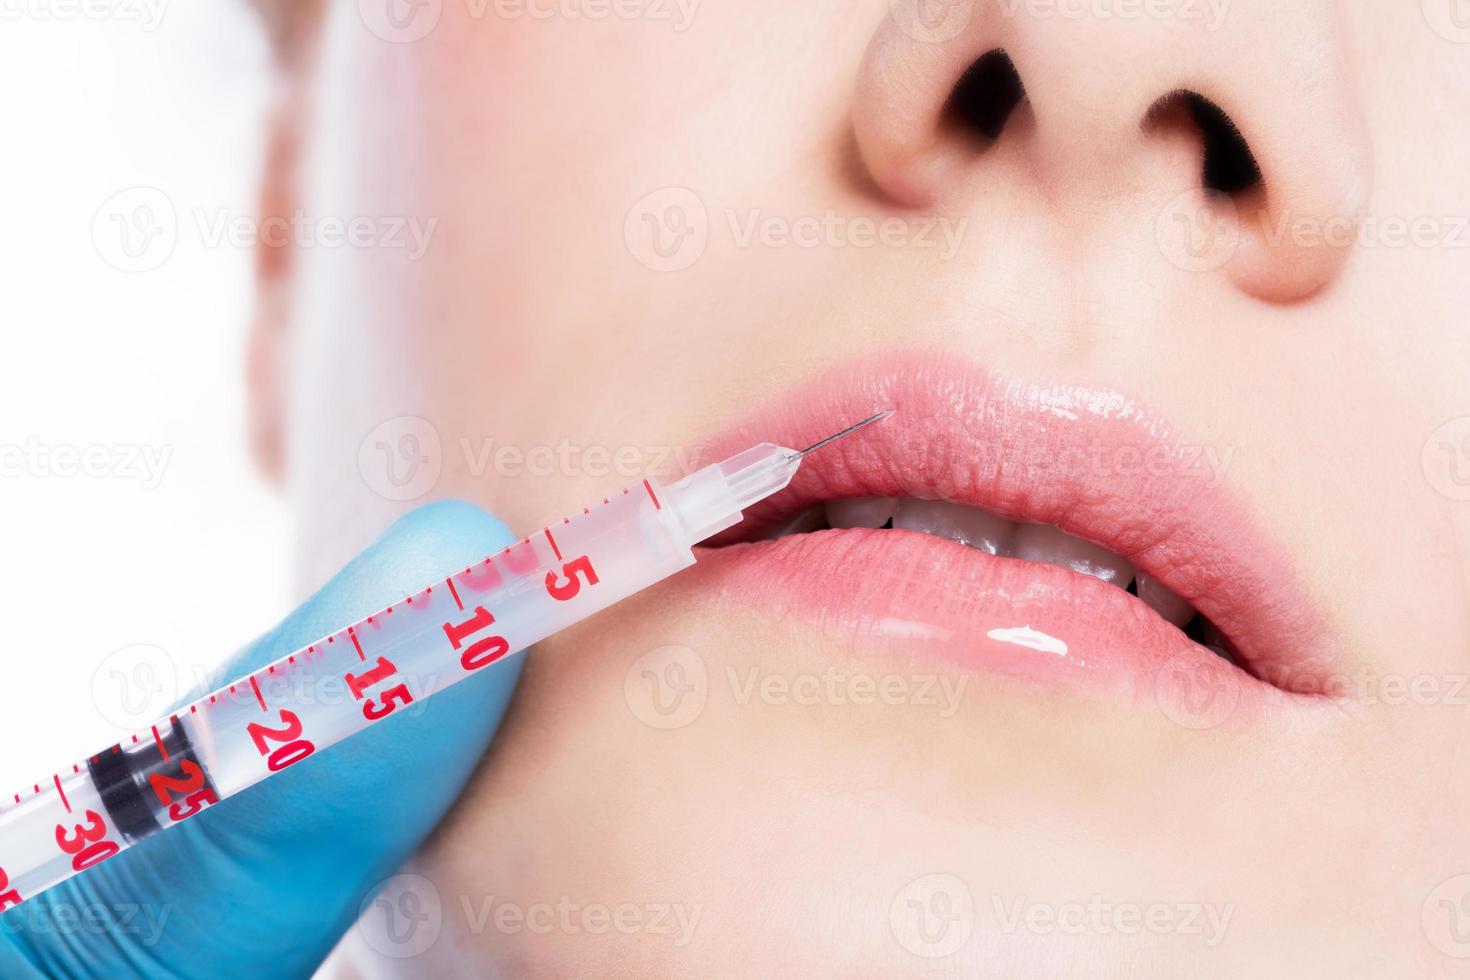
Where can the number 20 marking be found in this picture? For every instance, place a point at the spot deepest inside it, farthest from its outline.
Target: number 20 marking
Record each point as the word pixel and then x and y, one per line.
pixel 293 751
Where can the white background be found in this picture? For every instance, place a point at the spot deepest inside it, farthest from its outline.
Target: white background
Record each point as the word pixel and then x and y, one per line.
pixel 113 360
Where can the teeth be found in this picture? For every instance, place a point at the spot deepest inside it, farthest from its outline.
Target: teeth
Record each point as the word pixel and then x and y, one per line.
pixel 969 526
pixel 807 521
pixel 871 512
pixel 1036 542
pixel 1167 604
pixel 975 528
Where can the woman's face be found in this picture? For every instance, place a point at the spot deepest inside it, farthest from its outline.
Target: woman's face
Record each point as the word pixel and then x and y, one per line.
pixel 1119 351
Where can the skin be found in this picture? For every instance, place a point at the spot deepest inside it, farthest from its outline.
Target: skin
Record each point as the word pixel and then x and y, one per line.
pixel 1329 835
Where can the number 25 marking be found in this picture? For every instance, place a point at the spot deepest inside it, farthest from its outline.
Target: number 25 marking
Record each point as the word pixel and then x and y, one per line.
pixel 190 786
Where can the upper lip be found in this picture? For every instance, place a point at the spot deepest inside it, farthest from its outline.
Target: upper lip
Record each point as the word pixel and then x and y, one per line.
pixel 1091 461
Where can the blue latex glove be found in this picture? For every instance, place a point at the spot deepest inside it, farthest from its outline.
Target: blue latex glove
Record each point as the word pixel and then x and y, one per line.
pixel 264 884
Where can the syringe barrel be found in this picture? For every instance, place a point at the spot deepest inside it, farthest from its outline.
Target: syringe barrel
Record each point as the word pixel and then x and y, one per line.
pixel 388 663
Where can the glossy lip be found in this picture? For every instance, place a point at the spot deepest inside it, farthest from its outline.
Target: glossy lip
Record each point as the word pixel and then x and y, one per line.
pixel 1091 461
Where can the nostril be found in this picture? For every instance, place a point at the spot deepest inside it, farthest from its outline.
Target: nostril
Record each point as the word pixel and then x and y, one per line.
pixel 985 95
pixel 1229 165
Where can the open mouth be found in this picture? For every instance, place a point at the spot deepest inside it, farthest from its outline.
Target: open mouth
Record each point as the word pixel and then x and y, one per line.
pixel 1043 530
pixel 972 527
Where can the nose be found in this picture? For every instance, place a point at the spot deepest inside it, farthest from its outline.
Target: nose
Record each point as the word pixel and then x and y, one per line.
pixel 1241 114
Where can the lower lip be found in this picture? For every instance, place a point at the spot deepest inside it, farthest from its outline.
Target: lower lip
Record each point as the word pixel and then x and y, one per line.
pixel 911 595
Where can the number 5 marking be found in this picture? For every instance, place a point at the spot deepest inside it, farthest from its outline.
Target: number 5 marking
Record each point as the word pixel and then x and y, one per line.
pixel 567 585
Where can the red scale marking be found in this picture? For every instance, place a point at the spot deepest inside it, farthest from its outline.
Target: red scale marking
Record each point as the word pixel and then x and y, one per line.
pixel 256 688
pixel 355 645
pixel 649 487
pixel 64 801
pixel 454 592
pixel 555 550
pixel 159 742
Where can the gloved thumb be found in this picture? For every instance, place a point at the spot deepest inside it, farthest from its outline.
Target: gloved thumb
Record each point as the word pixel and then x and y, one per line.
pixel 264 883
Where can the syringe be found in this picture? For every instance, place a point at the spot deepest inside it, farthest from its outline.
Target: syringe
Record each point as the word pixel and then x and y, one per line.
pixel 226 741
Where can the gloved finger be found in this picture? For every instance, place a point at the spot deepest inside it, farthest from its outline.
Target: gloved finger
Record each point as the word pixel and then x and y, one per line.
pixel 265 882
